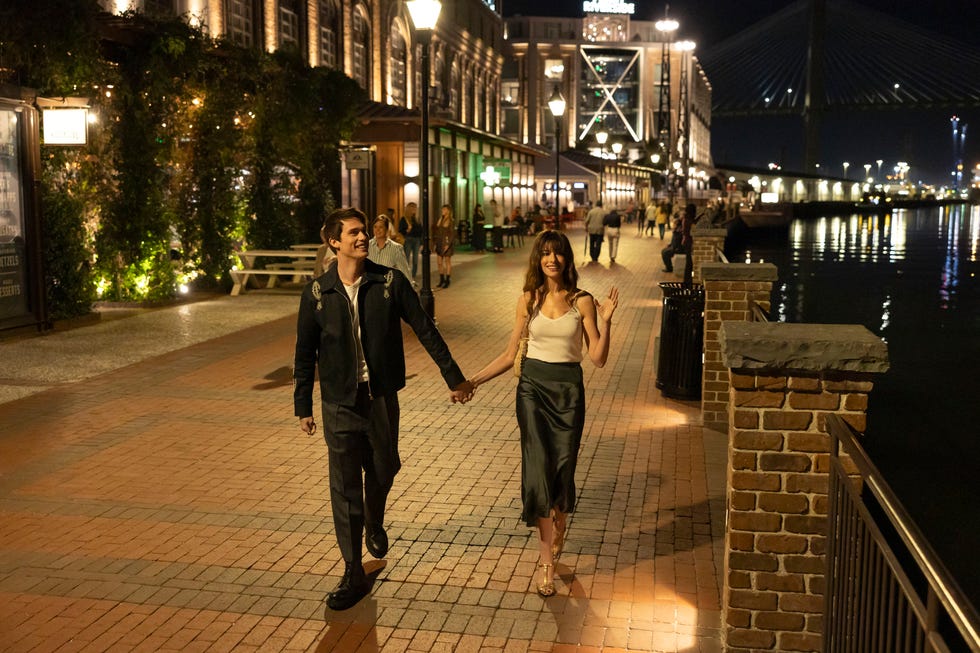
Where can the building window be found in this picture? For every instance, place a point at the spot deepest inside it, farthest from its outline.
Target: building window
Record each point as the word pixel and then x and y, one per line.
pixel 361 42
pixel 159 7
pixel 454 90
pixel 289 34
pixel 398 67
pixel 610 93
pixel 329 17
pixel 241 22
pixel 436 95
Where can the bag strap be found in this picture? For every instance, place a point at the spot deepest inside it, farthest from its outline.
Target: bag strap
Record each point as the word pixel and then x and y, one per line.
pixel 527 324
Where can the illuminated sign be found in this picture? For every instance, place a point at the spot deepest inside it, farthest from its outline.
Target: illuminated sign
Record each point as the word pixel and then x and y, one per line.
pixel 64 126
pixel 490 176
pixel 608 7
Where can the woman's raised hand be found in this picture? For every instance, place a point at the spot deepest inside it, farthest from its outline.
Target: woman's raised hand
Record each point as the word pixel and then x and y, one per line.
pixel 608 307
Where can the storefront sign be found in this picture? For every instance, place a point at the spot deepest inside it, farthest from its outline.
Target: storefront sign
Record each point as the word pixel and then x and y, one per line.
pixel 64 126
pixel 608 7
pixel 358 159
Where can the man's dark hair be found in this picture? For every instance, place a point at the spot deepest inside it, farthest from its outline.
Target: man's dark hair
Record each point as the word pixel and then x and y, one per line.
pixel 333 223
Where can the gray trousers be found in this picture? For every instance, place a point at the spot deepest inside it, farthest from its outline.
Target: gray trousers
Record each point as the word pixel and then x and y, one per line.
pixel 360 439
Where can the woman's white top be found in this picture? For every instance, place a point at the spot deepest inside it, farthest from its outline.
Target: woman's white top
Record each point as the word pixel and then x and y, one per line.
pixel 556 340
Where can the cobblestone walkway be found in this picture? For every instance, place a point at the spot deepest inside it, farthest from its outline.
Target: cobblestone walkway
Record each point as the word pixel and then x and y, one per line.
pixel 173 504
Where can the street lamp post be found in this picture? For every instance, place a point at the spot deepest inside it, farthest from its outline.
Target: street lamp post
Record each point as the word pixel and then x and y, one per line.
pixel 601 137
pixel 878 176
pixel 557 106
pixel 666 27
pixel 846 166
pixel 655 159
pixel 684 113
pixel 425 14
pixel 616 147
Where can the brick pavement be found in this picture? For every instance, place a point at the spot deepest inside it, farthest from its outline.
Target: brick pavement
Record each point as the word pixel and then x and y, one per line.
pixel 174 505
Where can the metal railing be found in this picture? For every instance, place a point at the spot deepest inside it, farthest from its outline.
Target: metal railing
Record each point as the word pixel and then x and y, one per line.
pixel 759 314
pixel 886 588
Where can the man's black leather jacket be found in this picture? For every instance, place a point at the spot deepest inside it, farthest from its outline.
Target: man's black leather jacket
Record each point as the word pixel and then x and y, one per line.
pixel 324 335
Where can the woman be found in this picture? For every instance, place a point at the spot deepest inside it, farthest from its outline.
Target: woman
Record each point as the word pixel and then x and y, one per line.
pixel 411 230
pixel 479 238
pixel 443 237
pixel 550 395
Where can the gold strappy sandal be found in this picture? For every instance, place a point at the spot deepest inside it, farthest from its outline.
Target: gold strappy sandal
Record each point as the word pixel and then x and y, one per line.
pixel 546 586
pixel 558 541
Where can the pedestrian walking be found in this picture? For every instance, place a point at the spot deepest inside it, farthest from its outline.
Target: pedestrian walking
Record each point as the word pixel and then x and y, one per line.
pixel 663 215
pixel 595 229
pixel 349 330
pixel 612 222
pixel 556 318
pixel 650 219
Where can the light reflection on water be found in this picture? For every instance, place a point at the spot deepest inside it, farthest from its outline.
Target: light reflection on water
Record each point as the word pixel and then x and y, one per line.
pixel 853 268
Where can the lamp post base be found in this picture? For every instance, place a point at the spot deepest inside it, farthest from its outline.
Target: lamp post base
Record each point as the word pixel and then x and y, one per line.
pixel 428 301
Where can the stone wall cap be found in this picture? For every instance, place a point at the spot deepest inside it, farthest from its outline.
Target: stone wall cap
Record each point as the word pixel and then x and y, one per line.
pixel 710 231
pixel 717 271
pixel 806 347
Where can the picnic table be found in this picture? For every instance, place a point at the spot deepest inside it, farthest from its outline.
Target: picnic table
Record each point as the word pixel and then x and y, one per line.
pixel 296 262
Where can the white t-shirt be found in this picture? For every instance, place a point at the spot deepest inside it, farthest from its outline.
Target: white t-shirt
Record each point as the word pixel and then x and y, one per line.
pixel 352 291
pixel 555 340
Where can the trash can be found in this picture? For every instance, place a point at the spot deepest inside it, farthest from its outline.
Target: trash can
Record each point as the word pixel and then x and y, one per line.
pixel 681 340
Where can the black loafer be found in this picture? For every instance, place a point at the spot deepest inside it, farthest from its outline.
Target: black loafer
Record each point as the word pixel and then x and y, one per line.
pixel 376 541
pixel 353 587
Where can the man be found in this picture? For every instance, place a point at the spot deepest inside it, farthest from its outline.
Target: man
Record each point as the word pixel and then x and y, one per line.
pixel 612 222
pixel 385 251
pixel 595 229
pixel 349 329
pixel 681 242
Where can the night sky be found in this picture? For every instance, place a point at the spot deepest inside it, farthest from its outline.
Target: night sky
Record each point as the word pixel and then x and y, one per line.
pixel 923 137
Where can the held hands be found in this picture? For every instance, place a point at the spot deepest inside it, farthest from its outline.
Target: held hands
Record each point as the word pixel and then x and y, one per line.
pixel 608 307
pixel 307 425
pixel 463 392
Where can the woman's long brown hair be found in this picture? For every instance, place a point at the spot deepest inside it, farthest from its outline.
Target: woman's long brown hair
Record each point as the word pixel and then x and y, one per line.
pixel 558 243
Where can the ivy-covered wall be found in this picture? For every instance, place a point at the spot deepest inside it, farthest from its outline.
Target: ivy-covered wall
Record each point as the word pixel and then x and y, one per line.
pixel 197 147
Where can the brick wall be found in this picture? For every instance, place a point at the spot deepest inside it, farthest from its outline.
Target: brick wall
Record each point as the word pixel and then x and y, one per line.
pixel 705 242
pixel 729 290
pixel 785 380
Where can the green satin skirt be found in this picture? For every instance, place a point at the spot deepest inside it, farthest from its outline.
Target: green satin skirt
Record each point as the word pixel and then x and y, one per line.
pixel 551 416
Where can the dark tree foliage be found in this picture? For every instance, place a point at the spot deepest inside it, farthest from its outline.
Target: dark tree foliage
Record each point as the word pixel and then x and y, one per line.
pixel 199 147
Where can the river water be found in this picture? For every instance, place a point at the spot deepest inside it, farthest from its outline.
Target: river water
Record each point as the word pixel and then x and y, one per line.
pixel 910 277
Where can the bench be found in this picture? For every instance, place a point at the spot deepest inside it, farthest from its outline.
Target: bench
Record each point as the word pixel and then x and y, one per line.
pixel 299 264
pixel 241 277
